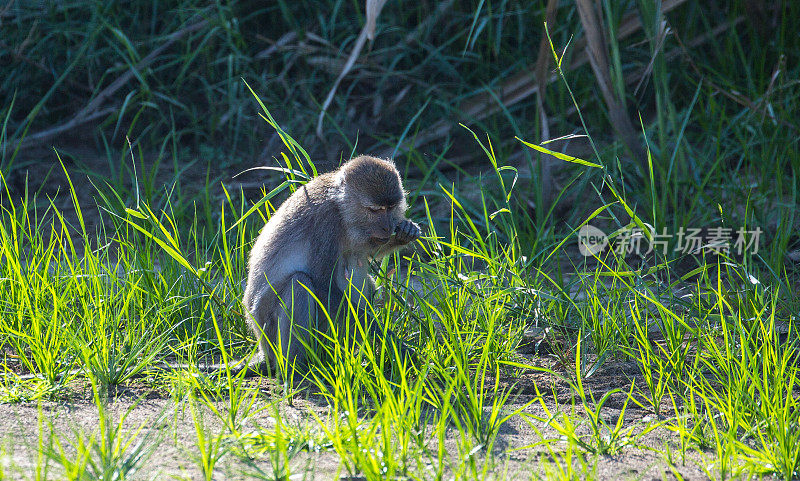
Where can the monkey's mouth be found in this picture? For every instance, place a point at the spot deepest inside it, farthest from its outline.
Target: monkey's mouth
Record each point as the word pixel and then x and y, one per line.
pixel 378 240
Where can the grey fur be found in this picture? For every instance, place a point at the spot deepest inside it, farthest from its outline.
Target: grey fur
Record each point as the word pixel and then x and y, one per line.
pixel 324 234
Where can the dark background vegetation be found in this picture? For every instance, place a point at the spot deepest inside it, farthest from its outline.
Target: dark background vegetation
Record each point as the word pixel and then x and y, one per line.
pixel 713 85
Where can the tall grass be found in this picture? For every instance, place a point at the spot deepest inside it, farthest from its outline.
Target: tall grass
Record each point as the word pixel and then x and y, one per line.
pixel 114 304
pixel 713 337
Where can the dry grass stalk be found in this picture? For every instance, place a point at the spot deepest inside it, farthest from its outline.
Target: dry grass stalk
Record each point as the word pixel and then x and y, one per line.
pixel 374 8
pixel 597 52
pixel 542 64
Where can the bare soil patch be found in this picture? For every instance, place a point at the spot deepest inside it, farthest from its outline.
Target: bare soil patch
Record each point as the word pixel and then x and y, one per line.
pixel 166 427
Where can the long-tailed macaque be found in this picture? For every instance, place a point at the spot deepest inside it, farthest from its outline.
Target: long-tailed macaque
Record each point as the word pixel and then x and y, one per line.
pixel 320 242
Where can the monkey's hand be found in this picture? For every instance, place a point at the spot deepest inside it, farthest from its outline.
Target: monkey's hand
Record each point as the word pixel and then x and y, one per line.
pixel 406 231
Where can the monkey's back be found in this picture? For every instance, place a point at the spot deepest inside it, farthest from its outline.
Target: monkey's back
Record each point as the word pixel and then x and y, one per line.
pixel 302 236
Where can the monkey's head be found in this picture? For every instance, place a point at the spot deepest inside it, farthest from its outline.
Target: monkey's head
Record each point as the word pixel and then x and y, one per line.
pixel 372 200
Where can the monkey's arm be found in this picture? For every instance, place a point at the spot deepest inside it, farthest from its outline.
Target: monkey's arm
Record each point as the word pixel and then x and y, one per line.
pixel 406 232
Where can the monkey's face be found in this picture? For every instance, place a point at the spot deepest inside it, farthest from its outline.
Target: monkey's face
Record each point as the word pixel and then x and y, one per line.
pixel 381 221
pixel 372 200
pixel 370 222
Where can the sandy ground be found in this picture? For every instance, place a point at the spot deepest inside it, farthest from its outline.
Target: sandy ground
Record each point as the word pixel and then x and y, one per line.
pixel 169 439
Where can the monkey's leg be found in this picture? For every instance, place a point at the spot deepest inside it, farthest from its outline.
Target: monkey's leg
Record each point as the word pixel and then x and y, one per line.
pixel 297 314
pixel 365 330
pixel 395 345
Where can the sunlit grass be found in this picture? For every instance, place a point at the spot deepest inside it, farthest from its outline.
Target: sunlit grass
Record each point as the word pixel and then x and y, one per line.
pixel 717 371
pixel 712 339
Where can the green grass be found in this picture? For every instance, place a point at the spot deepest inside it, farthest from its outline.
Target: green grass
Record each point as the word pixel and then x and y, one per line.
pixel 113 304
pixel 710 340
